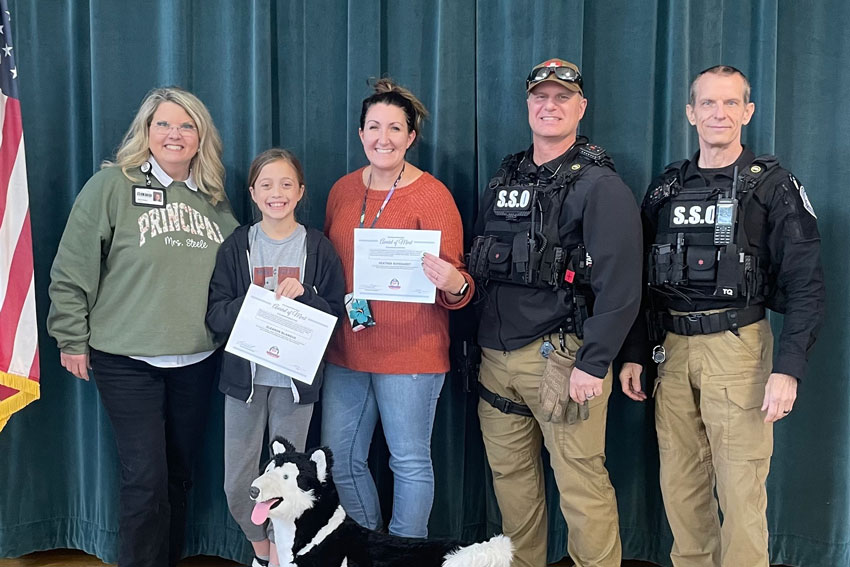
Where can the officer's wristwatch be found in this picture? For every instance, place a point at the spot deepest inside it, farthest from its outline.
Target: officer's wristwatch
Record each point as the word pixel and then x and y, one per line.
pixel 463 289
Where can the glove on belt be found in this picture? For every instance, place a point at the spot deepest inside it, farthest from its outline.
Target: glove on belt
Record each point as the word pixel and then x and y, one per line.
pixel 556 405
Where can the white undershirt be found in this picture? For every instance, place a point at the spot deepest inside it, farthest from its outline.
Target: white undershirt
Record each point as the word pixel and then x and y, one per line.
pixel 172 360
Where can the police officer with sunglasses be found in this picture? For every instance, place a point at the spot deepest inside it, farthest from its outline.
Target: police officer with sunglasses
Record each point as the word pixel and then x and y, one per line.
pixel 727 236
pixel 557 261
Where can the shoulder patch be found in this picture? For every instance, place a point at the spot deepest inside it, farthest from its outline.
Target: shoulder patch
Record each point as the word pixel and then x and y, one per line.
pixel 807 204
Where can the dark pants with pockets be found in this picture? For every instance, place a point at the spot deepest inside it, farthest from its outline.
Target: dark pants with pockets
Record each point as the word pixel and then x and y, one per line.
pixel 158 416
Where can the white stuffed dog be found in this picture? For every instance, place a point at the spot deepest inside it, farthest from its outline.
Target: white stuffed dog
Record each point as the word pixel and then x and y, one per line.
pixel 297 493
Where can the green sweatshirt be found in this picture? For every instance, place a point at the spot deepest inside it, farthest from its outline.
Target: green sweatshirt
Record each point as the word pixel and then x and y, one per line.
pixel 132 279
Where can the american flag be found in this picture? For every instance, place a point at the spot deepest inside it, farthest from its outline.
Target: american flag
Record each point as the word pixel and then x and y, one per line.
pixel 18 334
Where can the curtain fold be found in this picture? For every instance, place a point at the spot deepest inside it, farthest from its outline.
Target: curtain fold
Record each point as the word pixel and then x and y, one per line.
pixel 292 73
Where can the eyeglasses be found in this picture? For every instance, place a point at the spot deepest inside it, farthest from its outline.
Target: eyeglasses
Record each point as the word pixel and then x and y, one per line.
pixel 163 127
pixel 567 74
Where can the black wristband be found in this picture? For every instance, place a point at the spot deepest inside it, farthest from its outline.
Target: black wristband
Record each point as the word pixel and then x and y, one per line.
pixel 463 289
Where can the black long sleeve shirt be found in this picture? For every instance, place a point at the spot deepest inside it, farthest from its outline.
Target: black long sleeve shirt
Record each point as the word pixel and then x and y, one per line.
pixel 781 222
pixel 599 211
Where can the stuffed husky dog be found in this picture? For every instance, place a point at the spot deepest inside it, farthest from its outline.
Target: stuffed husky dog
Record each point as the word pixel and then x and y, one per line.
pixel 311 529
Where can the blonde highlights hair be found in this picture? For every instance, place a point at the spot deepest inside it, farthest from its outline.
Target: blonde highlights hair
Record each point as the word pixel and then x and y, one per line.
pixel 389 92
pixel 206 166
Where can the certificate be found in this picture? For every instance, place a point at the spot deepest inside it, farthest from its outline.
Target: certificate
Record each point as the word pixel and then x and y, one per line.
pixel 281 334
pixel 388 264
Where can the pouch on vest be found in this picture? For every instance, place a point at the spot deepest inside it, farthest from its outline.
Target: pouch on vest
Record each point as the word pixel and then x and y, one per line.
pixel 556 268
pixel 666 265
pixel 499 259
pixel 477 260
pixel 539 260
pixel 701 262
pixel 729 272
pixel 578 266
pixel 520 256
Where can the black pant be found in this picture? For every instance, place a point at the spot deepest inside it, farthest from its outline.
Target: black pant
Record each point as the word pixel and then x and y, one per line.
pixel 158 416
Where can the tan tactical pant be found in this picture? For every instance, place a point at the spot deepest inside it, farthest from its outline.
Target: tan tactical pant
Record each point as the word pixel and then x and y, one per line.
pixel 513 444
pixel 711 434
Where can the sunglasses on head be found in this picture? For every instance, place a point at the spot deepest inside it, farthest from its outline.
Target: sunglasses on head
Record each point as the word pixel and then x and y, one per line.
pixel 563 73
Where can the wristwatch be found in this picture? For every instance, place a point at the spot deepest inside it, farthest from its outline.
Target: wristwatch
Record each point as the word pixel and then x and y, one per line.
pixel 463 289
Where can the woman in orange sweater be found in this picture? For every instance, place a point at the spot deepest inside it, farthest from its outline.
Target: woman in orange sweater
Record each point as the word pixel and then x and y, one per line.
pixel 395 367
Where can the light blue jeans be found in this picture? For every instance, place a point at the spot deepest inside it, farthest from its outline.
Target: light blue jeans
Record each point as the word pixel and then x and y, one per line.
pixel 352 401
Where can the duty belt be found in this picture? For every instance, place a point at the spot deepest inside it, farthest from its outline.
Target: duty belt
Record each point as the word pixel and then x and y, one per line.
pixel 707 323
pixel 502 404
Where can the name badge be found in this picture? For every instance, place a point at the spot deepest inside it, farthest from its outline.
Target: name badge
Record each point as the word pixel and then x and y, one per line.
pixel 148 196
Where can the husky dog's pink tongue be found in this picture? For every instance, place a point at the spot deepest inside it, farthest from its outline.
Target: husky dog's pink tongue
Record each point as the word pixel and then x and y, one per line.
pixel 261 511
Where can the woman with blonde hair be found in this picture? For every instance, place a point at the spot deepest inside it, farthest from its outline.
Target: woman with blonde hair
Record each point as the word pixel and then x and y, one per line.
pixel 393 363
pixel 129 294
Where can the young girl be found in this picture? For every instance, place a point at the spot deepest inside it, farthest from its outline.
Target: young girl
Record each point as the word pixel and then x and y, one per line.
pixel 282 255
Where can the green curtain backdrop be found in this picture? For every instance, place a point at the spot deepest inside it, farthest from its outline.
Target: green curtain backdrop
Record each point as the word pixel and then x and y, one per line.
pixel 292 73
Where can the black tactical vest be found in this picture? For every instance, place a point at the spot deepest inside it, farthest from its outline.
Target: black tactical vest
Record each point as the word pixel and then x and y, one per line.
pixel 690 256
pixel 521 241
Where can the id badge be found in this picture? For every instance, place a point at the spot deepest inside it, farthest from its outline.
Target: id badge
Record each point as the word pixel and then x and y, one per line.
pixel 359 314
pixel 148 196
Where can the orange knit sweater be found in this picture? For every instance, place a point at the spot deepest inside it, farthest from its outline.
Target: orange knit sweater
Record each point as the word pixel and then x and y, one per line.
pixel 408 338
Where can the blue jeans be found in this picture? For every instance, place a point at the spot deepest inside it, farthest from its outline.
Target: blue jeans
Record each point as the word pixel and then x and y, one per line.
pixel 406 403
